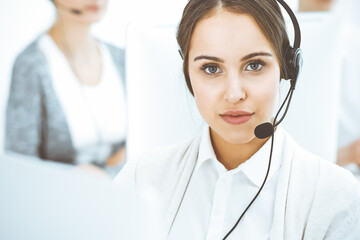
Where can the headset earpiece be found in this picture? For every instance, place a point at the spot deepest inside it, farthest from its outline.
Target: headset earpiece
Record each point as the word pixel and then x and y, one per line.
pixel 293 65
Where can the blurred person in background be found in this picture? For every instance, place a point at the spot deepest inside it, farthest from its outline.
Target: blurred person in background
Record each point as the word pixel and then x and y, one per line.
pixel 315 5
pixel 66 100
pixel 349 115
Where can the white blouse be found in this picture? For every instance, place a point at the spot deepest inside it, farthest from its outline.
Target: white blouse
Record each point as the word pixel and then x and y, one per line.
pixel 314 199
pixel 95 115
pixel 215 197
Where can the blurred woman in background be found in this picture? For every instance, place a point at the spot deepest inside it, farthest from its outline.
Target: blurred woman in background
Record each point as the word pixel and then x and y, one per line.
pixel 66 100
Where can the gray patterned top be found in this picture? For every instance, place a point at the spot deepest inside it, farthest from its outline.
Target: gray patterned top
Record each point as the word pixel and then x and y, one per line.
pixel 35 122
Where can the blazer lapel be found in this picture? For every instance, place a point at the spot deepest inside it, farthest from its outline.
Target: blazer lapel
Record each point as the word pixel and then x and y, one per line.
pixel 277 229
pixel 189 160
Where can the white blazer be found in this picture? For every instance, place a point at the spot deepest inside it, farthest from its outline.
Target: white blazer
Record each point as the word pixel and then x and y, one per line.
pixel 314 199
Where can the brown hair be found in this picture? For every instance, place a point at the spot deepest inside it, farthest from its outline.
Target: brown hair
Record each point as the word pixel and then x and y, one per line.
pixel 266 13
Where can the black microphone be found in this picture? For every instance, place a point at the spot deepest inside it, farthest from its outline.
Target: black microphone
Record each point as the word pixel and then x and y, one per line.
pixel 264 130
pixel 76 11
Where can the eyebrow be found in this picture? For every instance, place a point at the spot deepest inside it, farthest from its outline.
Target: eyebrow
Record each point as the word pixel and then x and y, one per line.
pixel 249 56
pixel 216 59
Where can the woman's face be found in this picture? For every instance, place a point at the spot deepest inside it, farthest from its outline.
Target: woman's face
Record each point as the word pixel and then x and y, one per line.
pixel 234 74
pixel 90 10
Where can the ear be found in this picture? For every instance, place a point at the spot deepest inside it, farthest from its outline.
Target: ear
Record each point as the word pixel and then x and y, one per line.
pixel 293 64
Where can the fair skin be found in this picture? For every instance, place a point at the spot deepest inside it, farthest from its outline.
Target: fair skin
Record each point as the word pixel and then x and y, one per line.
pixel 72 34
pixel 349 154
pixel 315 5
pixel 233 67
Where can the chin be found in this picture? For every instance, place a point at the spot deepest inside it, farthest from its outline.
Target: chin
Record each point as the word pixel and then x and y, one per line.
pixel 238 138
pixel 92 19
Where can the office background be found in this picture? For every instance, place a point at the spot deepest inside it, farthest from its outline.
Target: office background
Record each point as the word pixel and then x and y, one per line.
pixel 21 21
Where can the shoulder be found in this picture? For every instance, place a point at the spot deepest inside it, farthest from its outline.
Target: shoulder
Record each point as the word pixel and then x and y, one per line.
pixel 166 159
pixel 334 187
pixel 29 70
pixel 336 200
pixel 29 67
pixel 330 174
pixel 328 195
pixel 314 167
pixel 31 56
pixel 311 173
pixel 157 164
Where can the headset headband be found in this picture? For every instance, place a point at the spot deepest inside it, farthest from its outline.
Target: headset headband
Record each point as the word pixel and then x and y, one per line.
pixel 297 38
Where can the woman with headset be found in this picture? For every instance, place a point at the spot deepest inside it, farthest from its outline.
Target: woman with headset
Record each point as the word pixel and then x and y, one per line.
pixel 222 184
pixel 66 100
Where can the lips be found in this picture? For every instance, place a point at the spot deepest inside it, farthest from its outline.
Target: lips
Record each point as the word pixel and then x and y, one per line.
pixel 236 117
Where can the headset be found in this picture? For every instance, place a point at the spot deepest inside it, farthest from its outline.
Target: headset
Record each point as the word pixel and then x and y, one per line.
pixel 293 65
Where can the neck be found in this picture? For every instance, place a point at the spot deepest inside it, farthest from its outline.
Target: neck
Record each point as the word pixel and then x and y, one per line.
pixel 73 38
pixel 232 155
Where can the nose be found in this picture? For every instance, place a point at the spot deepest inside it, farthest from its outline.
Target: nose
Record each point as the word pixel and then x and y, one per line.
pixel 235 89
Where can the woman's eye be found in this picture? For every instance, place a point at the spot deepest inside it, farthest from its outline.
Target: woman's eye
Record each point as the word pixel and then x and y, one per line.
pixel 211 69
pixel 254 66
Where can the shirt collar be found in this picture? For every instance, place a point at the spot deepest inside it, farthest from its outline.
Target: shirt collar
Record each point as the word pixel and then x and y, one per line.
pixel 254 168
pixel 206 151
